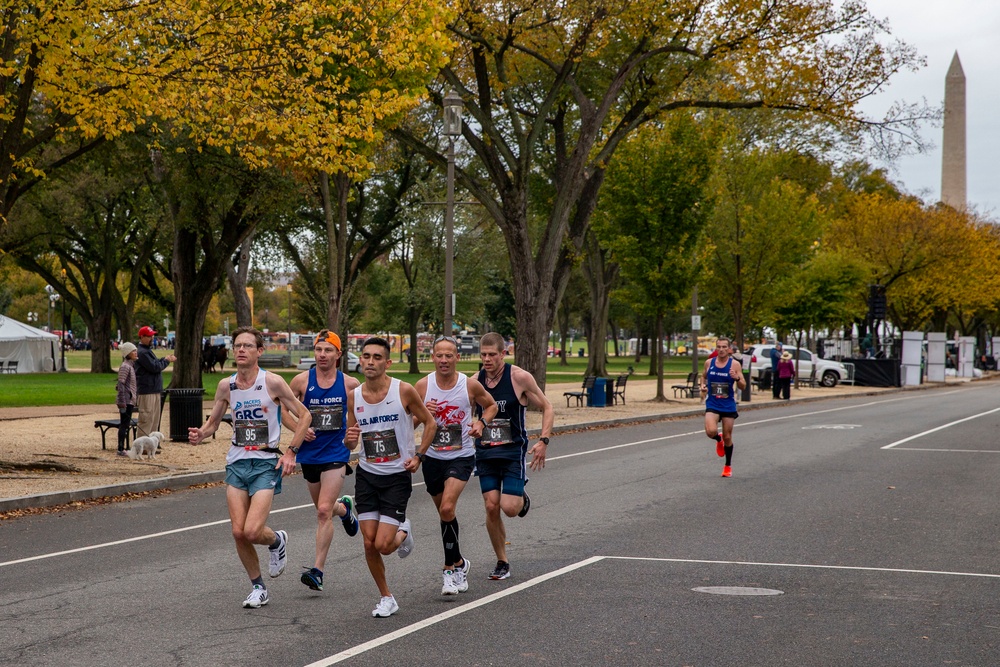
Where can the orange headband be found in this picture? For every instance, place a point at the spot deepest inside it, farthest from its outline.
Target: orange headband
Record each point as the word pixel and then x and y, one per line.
pixel 330 337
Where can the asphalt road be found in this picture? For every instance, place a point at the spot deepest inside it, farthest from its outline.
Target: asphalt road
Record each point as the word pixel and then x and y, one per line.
pixel 872 521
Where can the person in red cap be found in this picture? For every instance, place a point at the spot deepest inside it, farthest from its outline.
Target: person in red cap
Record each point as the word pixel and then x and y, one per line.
pixel 149 381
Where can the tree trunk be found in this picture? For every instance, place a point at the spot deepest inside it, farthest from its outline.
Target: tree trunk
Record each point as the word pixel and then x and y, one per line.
pixel 336 239
pixel 237 277
pixel 414 321
pixel 660 397
pixel 600 276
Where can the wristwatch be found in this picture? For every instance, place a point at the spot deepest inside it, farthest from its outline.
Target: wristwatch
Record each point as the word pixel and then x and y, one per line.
pixel 294 450
pixel 421 456
pixel 544 441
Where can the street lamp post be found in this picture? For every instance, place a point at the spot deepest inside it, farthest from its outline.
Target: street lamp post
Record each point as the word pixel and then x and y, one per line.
pixel 62 340
pixel 288 287
pixel 452 129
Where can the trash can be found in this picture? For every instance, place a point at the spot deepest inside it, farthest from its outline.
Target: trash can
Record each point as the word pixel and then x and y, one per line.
pixel 185 412
pixel 598 395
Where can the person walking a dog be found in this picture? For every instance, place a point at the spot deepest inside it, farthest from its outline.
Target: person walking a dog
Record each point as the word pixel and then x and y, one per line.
pixel 323 455
pixel 149 379
pixel 450 396
pixel 128 393
pixel 381 414
pixel 254 464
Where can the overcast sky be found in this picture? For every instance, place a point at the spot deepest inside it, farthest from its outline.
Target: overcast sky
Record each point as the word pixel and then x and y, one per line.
pixel 938 28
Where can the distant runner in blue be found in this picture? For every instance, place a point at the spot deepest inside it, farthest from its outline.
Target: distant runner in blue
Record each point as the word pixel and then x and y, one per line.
pixel 717 388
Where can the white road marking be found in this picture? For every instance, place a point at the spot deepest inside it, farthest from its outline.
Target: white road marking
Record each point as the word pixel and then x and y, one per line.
pixel 940 428
pixel 444 616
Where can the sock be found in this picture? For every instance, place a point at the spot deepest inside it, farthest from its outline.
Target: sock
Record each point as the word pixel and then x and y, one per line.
pixel 318 571
pixel 729 455
pixel 259 581
pixel 449 537
pixel 277 542
pixel 717 437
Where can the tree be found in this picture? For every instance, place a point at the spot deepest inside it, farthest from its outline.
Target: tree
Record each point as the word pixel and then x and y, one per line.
pixel 553 88
pixel 652 213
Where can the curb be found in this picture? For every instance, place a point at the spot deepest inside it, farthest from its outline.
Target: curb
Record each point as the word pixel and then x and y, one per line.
pixel 191 479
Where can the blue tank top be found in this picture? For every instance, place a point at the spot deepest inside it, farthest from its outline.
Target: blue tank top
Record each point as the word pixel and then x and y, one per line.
pixel 505 437
pixel 721 397
pixel 329 420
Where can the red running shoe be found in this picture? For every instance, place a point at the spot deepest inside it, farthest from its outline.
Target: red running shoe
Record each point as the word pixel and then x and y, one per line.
pixel 727 471
pixel 720 447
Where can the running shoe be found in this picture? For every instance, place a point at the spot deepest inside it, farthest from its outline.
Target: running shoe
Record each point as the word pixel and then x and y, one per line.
pixel 278 557
pixel 350 520
pixel 385 608
pixel 527 506
pixel 312 578
pixel 727 471
pixel 720 446
pixel 406 546
pixel 448 586
pixel 461 575
pixel 501 571
pixel 257 598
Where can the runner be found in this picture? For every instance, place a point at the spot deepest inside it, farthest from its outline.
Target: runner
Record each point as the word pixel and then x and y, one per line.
pixel 717 383
pixel 380 414
pixel 253 467
pixel 501 452
pixel 323 456
pixel 452 457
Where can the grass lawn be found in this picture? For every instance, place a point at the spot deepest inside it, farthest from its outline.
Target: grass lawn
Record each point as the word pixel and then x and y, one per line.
pixel 79 387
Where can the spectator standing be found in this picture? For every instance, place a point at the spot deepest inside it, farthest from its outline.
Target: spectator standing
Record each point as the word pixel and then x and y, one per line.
pixel 776 352
pixel 128 393
pixel 783 378
pixel 149 378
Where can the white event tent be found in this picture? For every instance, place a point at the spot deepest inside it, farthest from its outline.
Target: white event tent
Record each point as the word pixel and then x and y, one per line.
pixel 34 350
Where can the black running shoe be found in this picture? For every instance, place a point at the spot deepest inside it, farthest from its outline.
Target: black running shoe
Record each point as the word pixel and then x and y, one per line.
pixel 501 571
pixel 527 506
pixel 312 578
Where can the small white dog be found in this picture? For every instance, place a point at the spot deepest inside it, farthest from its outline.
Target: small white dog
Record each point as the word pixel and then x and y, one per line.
pixel 146 444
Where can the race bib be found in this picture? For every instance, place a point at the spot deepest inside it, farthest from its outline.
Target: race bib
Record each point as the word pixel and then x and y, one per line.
pixel 447 438
pixel 496 433
pixel 720 389
pixel 251 433
pixel 380 446
pixel 327 417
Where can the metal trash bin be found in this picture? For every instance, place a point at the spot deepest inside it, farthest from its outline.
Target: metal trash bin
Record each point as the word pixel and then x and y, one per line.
pixel 185 412
pixel 598 395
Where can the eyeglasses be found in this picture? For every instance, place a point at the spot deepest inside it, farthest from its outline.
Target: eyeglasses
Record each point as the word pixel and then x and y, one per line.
pixel 450 339
pixel 244 346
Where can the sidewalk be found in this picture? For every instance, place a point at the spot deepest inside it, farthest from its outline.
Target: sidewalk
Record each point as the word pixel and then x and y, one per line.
pixel 66 435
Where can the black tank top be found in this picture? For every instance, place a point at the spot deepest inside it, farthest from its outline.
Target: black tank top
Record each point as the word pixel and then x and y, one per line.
pixel 505 437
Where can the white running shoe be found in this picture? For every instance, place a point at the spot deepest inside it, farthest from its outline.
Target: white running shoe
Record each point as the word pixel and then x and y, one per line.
pixel 385 608
pixel 279 559
pixel 406 546
pixel 257 598
pixel 461 576
pixel 449 587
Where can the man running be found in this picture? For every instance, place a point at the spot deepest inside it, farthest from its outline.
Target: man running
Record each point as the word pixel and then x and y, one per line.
pixel 717 383
pixel 380 413
pixel 253 467
pixel 501 452
pixel 323 456
pixel 449 396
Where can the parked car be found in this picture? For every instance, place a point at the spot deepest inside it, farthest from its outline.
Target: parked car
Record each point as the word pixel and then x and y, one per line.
pixel 828 372
pixel 353 363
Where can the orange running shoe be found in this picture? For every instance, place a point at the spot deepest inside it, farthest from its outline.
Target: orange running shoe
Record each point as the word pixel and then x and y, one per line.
pixel 720 447
pixel 727 471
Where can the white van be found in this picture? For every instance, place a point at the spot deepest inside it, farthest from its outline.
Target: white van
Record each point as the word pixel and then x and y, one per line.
pixel 828 373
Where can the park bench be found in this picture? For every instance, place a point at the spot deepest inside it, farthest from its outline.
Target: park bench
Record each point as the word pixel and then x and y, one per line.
pixel 588 385
pixel 226 419
pixel 106 424
pixel 274 361
pixel 620 382
pixel 689 389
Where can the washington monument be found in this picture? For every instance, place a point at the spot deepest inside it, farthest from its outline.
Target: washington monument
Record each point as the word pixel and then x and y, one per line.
pixel 953 147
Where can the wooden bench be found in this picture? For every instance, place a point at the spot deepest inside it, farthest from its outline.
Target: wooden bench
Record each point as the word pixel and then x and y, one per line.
pixel 588 385
pixel 106 424
pixel 620 382
pixel 226 419
pixel 689 389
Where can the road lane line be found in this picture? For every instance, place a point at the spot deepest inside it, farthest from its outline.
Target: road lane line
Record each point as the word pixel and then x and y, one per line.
pixel 433 620
pixel 940 428
pixel 856 568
